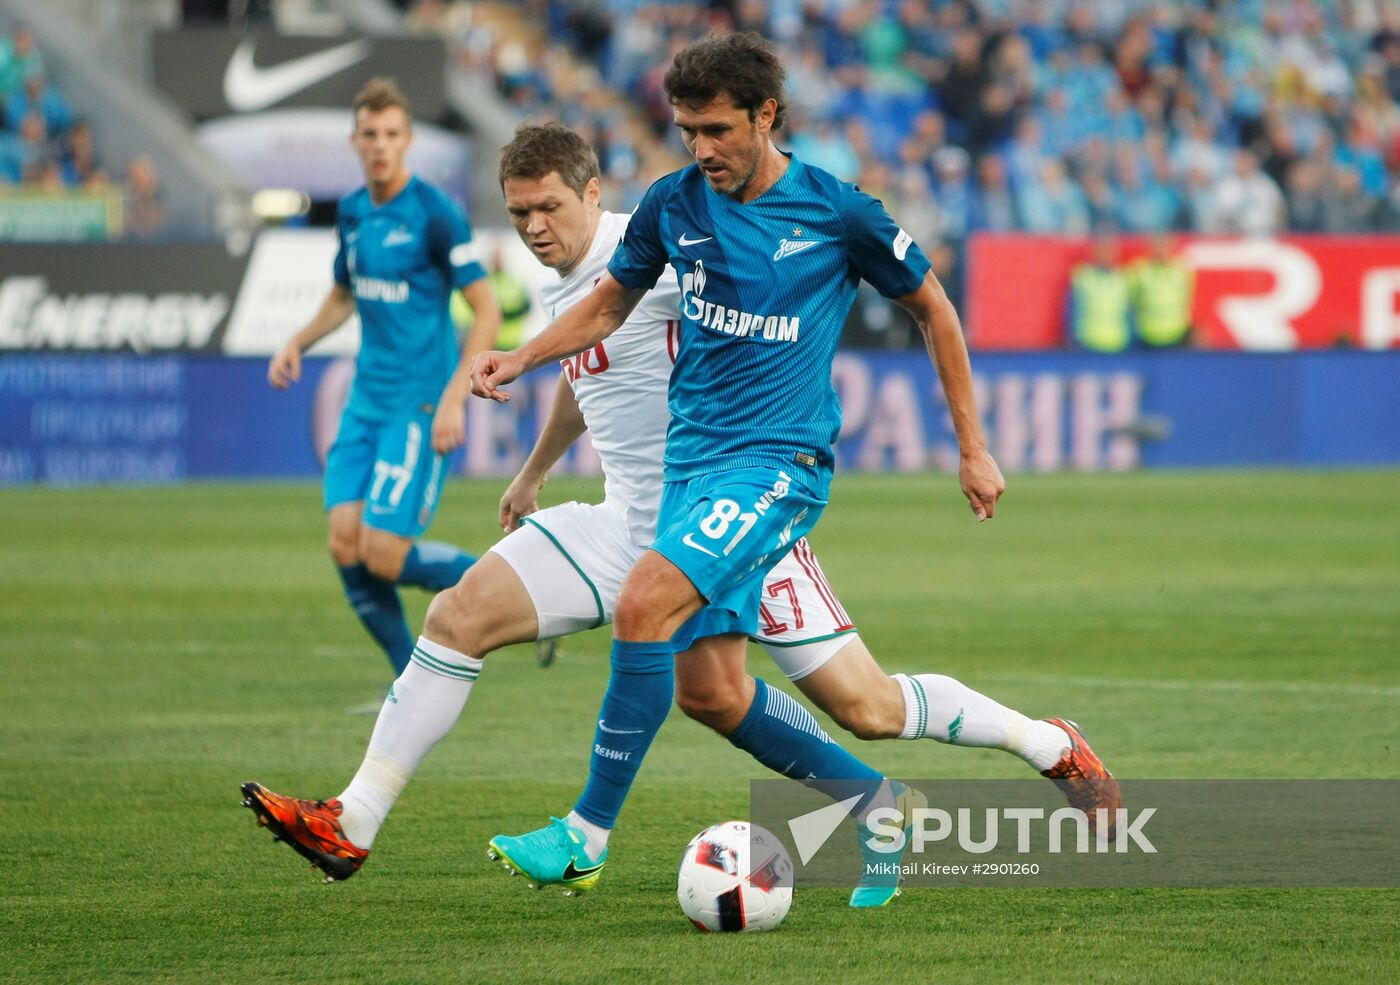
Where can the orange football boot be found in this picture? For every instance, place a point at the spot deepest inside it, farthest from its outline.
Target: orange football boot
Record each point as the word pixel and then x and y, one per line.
pixel 310 827
pixel 1085 781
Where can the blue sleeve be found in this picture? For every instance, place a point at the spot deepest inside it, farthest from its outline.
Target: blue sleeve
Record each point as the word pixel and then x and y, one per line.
pixel 341 268
pixel 641 257
pixel 879 250
pixel 450 244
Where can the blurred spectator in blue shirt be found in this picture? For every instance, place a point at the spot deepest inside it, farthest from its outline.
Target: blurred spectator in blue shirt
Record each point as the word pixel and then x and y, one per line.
pixel 955 191
pixel 1025 152
pixel 1306 203
pixel 1198 151
pixel 917 207
pixel 1091 79
pixel 1362 153
pixel 19 59
pixel 926 44
pixel 1144 206
pixel 810 84
pixel 1347 207
pixel 994 206
pixel 33 151
pixel 37 96
pixel 1061 132
pixel 1054 204
pixel 79 163
pixel 1120 121
pixel 1101 199
pixel 1041 30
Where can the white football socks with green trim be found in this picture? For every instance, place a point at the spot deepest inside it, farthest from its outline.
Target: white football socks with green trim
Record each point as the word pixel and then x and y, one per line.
pixel 940 708
pixel 422 706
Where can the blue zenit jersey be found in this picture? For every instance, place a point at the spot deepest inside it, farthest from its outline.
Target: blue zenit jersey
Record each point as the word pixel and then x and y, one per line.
pixel 765 289
pixel 402 260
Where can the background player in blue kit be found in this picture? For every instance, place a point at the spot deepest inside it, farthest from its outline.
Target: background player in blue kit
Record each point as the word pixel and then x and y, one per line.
pixel 768 253
pixel 404 247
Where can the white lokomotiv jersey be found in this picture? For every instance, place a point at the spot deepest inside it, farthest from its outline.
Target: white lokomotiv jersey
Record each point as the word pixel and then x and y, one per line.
pixel 620 383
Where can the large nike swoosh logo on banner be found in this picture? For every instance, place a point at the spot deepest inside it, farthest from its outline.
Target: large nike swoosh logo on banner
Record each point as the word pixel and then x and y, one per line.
pixel 248 88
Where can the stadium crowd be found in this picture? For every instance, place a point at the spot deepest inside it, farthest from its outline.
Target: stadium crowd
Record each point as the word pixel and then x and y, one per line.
pixel 1054 116
pixel 46 148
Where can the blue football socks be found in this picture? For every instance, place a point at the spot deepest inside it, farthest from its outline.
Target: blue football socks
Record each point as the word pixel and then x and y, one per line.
pixel 782 735
pixel 434 566
pixel 377 604
pixel 640 689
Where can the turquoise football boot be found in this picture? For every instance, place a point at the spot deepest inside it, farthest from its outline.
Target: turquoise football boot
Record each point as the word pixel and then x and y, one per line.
pixel 878 884
pixel 555 855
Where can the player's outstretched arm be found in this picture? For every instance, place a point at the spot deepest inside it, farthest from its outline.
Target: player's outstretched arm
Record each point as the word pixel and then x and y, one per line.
pixel 285 367
pixel 981 479
pixel 450 420
pixel 561 430
pixel 582 327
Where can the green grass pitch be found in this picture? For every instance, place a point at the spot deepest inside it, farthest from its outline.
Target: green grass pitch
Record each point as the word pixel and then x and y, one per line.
pixel 159 646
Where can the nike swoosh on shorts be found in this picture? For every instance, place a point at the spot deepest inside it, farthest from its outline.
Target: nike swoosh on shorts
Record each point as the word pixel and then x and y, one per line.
pixel 688 542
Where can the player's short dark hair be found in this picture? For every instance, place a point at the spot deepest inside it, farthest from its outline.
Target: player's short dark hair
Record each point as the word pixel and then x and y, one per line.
pixel 742 66
pixel 537 149
pixel 381 93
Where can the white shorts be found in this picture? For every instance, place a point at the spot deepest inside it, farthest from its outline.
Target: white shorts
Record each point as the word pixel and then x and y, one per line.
pixel 572 560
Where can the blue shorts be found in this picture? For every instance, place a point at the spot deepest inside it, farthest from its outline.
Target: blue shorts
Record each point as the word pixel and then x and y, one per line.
pixel 391 467
pixel 726 530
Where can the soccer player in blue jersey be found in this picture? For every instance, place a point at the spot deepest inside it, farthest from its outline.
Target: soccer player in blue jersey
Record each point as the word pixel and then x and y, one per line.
pixel 768 253
pixel 404 247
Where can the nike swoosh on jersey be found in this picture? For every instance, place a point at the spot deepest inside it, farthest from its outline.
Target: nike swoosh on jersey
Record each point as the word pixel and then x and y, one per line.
pixel 691 242
pixel 688 542
pixel 620 731
pixel 248 87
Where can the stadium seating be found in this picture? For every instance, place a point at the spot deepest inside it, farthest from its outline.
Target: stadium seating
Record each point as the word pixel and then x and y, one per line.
pixel 47 149
pixel 1143 106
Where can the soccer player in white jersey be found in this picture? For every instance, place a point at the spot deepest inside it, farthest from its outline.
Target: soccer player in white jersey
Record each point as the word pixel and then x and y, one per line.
pixel 753 417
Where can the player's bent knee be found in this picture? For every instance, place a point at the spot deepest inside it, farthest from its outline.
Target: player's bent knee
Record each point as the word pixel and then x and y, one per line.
pixel 650 613
pixel 453 620
pixel 479 615
pixel 721 708
pixel 383 554
pixel 383 564
pixel 869 720
pixel 344 551
pixel 656 598
pixel 637 617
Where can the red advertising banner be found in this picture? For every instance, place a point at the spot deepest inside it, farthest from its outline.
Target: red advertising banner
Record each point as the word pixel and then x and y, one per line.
pixel 1275 295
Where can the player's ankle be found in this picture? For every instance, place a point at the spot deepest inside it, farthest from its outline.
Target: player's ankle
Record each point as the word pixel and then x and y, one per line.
pixel 595 835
